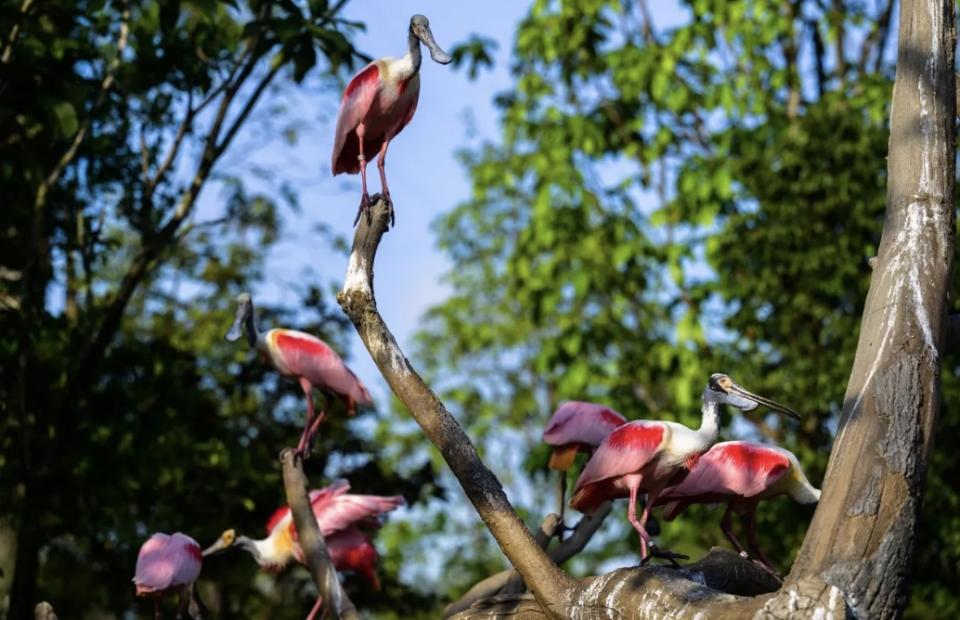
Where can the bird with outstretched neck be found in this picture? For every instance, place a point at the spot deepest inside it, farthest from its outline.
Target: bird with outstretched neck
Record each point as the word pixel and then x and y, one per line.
pixel 339 514
pixel 377 104
pixel 646 456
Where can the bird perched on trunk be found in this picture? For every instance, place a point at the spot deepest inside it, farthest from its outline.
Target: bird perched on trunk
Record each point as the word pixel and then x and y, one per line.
pixel 576 427
pixel 647 456
pixel 740 474
pixel 297 354
pixel 377 104
pixel 339 516
pixel 168 563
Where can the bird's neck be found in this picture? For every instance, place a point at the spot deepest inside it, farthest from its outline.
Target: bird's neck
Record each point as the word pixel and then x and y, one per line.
pixel 413 51
pixel 263 551
pixel 250 330
pixel 710 422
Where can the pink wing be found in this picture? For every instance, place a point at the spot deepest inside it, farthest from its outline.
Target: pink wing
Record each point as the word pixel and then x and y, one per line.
pixel 580 422
pixel 357 100
pixel 351 550
pixel 625 451
pixel 280 515
pixel 304 355
pixel 166 561
pixel 347 510
pixel 732 469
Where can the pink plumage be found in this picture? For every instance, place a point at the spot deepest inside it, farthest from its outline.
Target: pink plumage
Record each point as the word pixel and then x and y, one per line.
pixel 627 451
pixel 166 562
pixel 729 470
pixel 739 474
pixel 298 354
pixel 581 422
pixel 384 102
pixel 351 550
pixel 578 427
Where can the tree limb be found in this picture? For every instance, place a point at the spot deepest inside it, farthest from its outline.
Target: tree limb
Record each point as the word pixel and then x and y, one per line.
pixel 548 583
pixel 505 581
pixel 335 600
pixel 721 586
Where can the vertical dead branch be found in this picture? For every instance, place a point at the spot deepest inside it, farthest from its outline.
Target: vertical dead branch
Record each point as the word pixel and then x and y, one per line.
pixel 321 568
pixel 548 583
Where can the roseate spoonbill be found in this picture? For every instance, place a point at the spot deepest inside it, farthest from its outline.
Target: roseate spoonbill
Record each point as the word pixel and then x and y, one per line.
pixel 297 354
pixel 337 513
pixel 740 474
pixel 168 563
pixel 574 427
pixel 377 104
pixel 647 456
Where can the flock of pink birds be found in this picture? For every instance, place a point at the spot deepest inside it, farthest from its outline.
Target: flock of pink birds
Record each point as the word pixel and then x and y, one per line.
pixel 666 463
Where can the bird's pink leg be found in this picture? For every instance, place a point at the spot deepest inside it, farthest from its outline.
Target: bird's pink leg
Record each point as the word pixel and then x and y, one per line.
pixel 156 608
pixel 655 552
pixel 752 539
pixel 304 446
pixel 728 531
pixel 638 525
pixel 316 608
pixel 364 196
pixel 381 163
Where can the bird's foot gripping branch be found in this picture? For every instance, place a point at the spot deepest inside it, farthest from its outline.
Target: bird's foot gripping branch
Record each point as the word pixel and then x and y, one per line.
pixel 722 585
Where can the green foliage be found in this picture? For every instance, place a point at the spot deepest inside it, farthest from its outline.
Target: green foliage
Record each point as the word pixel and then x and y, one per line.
pixel 124 412
pixel 666 203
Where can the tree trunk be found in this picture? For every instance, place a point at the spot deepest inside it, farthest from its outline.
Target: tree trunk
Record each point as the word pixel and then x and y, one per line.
pixel 862 536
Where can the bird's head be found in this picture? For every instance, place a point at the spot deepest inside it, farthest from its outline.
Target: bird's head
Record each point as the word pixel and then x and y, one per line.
pixel 722 389
pixel 226 541
pixel 420 27
pixel 244 314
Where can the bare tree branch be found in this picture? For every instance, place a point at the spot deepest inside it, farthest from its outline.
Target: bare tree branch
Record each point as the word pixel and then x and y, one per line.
pixel 12 37
pixel 151 182
pixel 547 582
pixel 335 600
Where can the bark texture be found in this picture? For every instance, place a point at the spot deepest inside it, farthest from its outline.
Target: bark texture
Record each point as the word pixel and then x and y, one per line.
pixel 547 582
pixel 862 536
pixel 335 601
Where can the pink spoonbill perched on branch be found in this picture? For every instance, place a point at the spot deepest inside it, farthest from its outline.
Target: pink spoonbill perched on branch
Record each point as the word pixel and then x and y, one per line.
pixel 576 427
pixel 740 474
pixel 647 456
pixel 168 563
pixel 339 514
pixel 297 354
pixel 377 104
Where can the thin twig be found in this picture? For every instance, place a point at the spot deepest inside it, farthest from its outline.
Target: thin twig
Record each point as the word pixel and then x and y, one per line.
pixel 12 38
pixel 105 86
pixel 335 600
